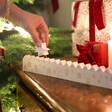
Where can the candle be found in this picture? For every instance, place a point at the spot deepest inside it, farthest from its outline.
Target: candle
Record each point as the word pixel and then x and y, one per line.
pixel 110 53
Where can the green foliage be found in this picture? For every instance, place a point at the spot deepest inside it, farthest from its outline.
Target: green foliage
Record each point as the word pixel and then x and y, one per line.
pixel 16 46
pixel 60 42
pixel 57 31
pixel 34 5
pixel 23 1
pixel 8 94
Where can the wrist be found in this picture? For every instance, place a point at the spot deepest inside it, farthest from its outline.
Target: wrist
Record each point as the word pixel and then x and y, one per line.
pixel 16 14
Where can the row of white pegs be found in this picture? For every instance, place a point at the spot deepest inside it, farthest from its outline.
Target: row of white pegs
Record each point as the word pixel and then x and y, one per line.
pixel 68 70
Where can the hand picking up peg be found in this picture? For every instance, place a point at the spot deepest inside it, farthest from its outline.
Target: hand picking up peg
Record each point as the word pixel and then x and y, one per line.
pixel 43 50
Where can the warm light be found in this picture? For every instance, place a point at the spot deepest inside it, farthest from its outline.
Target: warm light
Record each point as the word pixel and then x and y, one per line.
pixel 110 53
pixel 109 109
pixel 8 26
pixel 22 31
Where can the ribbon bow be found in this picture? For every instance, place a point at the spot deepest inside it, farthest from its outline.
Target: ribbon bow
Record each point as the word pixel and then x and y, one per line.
pixel 87 54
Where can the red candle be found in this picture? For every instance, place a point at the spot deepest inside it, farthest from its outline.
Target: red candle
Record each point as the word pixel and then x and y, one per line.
pixel 100 52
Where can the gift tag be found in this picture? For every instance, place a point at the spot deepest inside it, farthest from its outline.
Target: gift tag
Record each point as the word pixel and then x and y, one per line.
pixel 43 50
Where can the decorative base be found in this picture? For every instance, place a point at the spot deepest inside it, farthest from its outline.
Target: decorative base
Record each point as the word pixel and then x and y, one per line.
pixel 68 70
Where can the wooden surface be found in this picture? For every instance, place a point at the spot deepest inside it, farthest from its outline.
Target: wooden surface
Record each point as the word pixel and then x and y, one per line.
pixel 75 96
pixel 71 96
pixel 27 101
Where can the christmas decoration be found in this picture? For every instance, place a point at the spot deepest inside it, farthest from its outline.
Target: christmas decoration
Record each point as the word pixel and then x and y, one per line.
pixel 55 5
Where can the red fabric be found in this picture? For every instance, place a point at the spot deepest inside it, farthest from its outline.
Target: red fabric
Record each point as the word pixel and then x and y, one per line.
pixel 0 105
pixel 55 5
pixel 76 8
pixel 93 53
pixel 85 55
pixel 2 53
pixel 91 21
pixel 99 14
pixel 96 16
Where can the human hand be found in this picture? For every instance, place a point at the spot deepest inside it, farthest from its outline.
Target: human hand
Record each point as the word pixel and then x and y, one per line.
pixel 37 27
pixel 33 23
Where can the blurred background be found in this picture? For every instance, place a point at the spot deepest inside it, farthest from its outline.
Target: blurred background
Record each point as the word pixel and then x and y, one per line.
pixel 57 13
pixel 17 43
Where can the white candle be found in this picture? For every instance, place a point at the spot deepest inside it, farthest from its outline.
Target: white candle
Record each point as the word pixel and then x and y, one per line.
pixel 110 53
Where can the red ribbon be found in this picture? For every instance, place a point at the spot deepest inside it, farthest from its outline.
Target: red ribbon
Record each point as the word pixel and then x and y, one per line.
pixel 55 5
pixel 2 53
pixel 87 55
pixel 76 8
pixel 93 53
pixel 96 17
pixel 0 105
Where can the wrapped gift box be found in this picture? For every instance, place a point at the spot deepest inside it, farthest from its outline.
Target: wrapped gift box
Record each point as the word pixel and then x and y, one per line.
pixel 81 28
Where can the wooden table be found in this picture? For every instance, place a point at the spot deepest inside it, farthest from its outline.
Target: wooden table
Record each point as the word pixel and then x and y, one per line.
pixel 57 95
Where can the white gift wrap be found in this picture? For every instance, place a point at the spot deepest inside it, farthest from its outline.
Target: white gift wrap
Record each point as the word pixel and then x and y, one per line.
pixel 81 32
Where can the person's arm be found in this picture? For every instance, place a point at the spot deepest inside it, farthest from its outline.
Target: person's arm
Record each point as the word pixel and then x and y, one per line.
pixel 33 23
pixel 2 7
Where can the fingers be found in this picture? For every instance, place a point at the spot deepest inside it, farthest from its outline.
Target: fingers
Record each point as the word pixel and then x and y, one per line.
pixel 43 31
pixel 39 33
pixel 40 36
pixel 44 37
pixel 36 38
